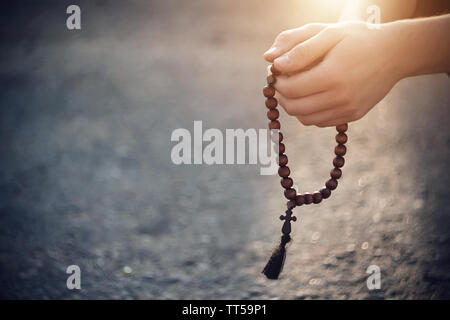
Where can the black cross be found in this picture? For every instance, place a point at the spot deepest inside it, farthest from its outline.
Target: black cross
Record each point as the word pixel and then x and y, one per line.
pixel 287 222
pixel 288 216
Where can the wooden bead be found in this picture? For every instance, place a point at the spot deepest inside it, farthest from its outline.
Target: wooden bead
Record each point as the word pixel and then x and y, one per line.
pixel 282 160
pixel 342 127
pixel 271 103
pixel 273 114
pixel 326 193
pixel 308 198
pixel 291 204
pixel 284 171
pixel 290 193
pixel 274 124
pixel 287 183
pixel 271 79
pixel 300 199
pixel 274 70
pixel 338 162
pixel 317 197
pixel 331 184
pixel 341 138
pixel 280 137
pixel 268 91
pixel 336 173
pixel 340 150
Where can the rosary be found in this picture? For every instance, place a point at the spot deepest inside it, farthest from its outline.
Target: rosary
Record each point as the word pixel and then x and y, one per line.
pixel 273 268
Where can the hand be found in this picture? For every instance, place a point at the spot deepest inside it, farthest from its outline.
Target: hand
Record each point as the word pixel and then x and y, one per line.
pixel 333 74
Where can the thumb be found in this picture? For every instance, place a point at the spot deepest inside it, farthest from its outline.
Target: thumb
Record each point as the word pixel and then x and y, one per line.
pixel 309 51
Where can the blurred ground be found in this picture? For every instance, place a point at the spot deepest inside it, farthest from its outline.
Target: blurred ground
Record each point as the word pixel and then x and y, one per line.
pixel 86 176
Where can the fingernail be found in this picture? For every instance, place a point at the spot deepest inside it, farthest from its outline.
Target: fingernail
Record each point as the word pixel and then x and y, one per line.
pixel 271 50
pixel 283 61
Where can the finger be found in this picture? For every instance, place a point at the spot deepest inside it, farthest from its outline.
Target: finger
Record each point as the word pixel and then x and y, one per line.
pixel 326 116
pixel 305 53
pixel 332 123
pixel 304 83
pixel 286 40
pixel 309 105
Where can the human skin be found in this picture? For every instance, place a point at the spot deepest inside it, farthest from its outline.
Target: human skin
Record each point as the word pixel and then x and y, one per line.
pixel 336 73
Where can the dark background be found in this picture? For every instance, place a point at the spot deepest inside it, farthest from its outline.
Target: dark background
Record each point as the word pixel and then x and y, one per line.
pixel 86 177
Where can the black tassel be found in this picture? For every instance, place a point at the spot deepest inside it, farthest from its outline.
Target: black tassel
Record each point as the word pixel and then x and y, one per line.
pixel 275 264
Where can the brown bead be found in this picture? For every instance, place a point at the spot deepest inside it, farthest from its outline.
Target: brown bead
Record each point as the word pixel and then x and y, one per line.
pixel 284 171
pixel 268 91
pixel 300 199
pixel 273 114
pixel 271 103
pixel 287 183
pixel 336 173
pixel 274 124
pixel 280 137
pixel 290 193
pixel 331 184
pixel 274 70
pixel 308 198
pixel 317 197
pixel 282 160
pixel 338 162
pixel 341 138
pixel 326 193
pixel 291 204
pixel 340 150
pixel 271 79
pixel 342 127
pixel 281 148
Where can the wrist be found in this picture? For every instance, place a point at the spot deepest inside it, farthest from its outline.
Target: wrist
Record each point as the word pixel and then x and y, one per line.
pixel 397 38
pixel 420 46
